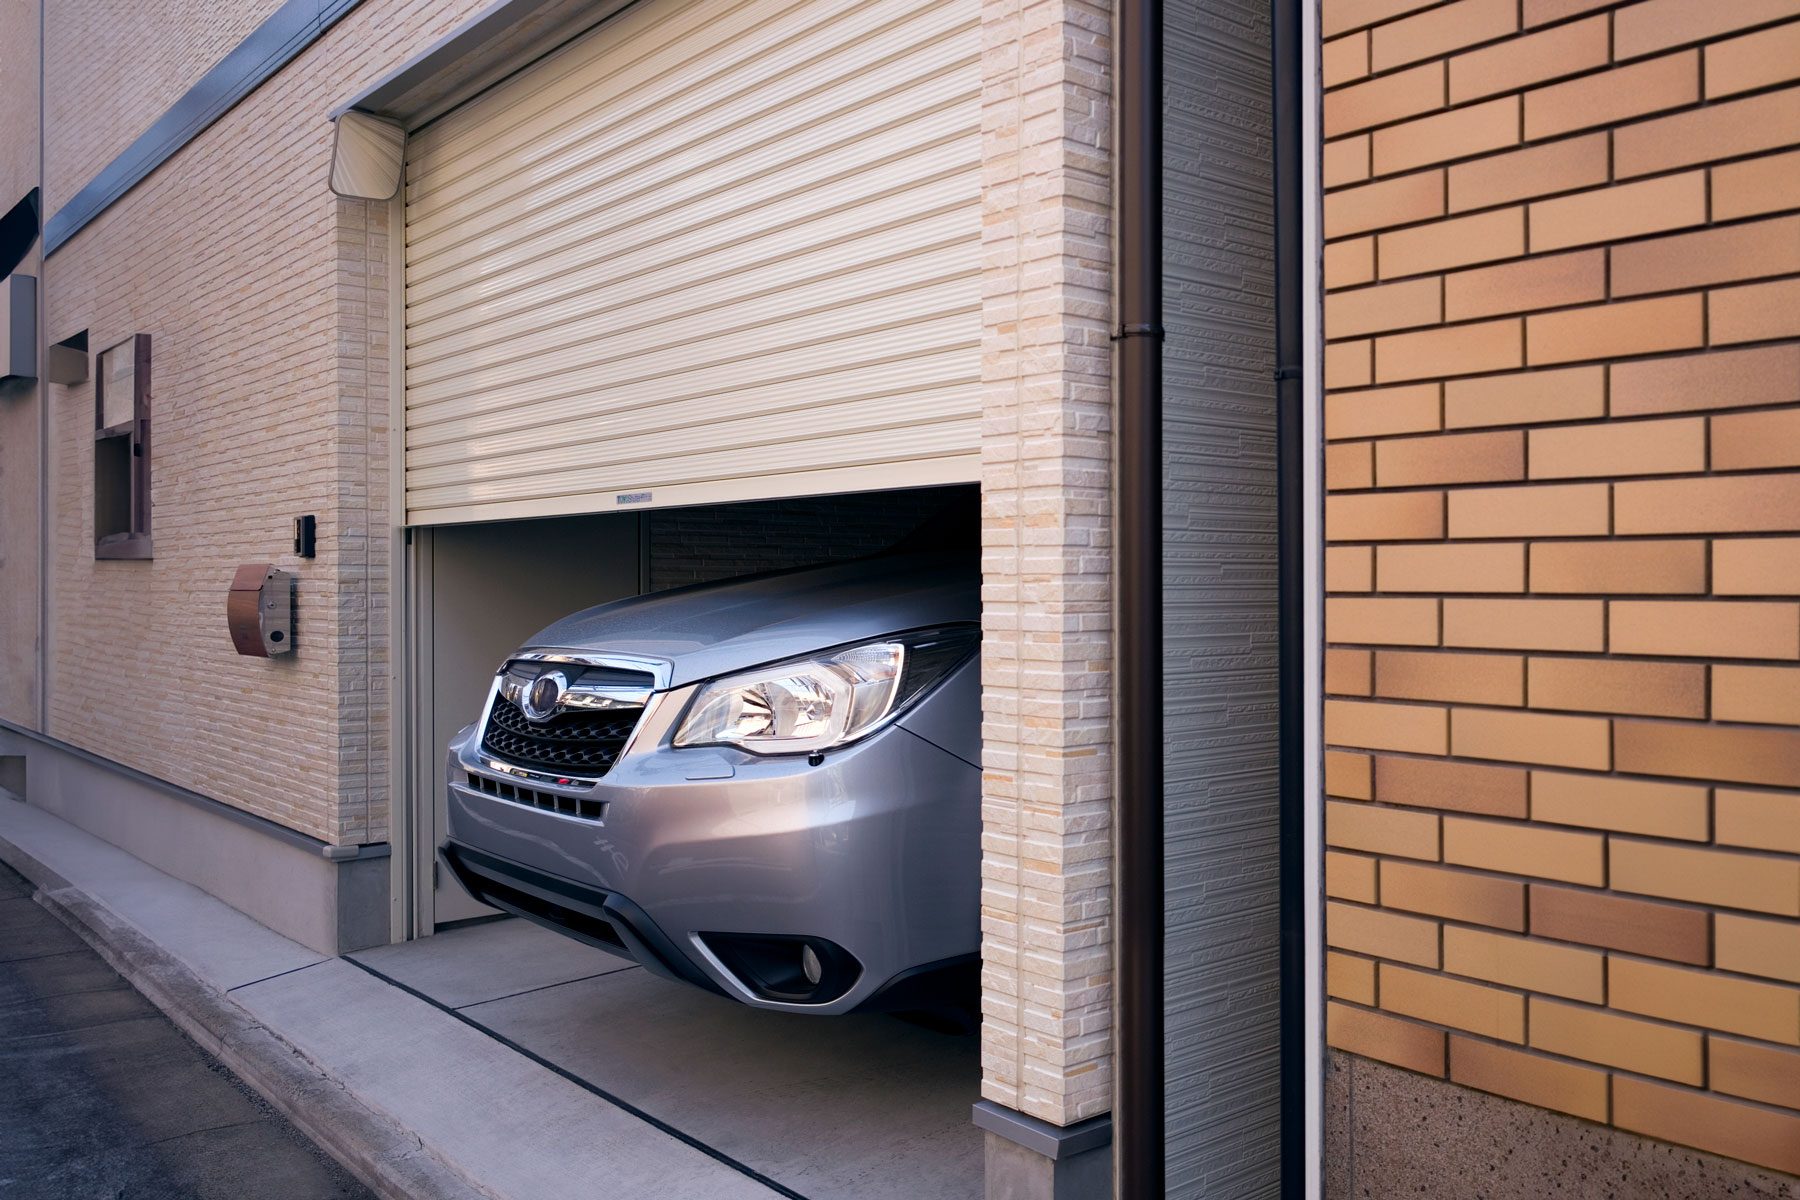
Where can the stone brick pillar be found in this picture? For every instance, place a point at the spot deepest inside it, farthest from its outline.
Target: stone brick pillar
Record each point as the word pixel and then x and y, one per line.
pixel 1046 488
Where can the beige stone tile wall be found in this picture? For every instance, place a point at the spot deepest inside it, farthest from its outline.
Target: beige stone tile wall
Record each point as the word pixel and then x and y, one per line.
pixel 1046 471
pixel 1563 465
pixel 265 298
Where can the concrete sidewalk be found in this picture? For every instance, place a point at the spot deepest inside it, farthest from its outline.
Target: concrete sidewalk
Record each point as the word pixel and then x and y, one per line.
pixel 502 1061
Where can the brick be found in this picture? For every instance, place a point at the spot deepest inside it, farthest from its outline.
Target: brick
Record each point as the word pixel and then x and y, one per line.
pixel 1752 313
pixel 1642 567
pixel 1348 263
pixel 1349 364
pixel 1754 946
pixel 1349 465
pixel 1654 809
pixel 1613 96
pixel 1642 689
pixel 1729 129
pixel 1454 678
pixel 1379 101
pixel 1720 379
pixel 1349 568
pixel 1756 567
pixel 1659 24
pixel 1619 923
pixel 1350 978
pixel 1754 441
pixel 1473 567
pixel 1380 412
pixel 1459 350
pixel 1525 624
pixel 1398 832
pixel 1616 448
pixel 1615 330
pixel 1544 1082
pixel 1759 820
pixel 1719 504
pixel 1345 59
pixel 1706 628
pixel 1765 756
pixel 1759 695
pixel 1525 963
pixel 1453 786
pixel 1348 672
pixel 1440 30
pixel 1710 256
pixel 1758 1010
pixel 1458 242
pixel 1759 185
pixel 1382 621
pixel 1350 876
pixel 1568 394
pixel 1563 510
pixel 1628 210
pixel 1386 306
pixel 1549 282
pixel 1372 1035
pixel 1598 1036
pixel 1706 876
pixel 1475 1007
pixel 1349 775
pixel 1340 16
pixel 1452 458
pixel 1537 58
pixel 1400 517
pixel 1519 849
pixel 1381 934
pixel 1761 1136
pixel 1754 1072
pixel 1561 166
pixel 1384 204
pixel 1456 895
pixel 1756 60
pixel 1542 12
pixel 1459 133
pixel 1344 161
pixel 1410 728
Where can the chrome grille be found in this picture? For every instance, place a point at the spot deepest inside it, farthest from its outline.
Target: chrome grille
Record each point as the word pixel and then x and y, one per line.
pixel 574 742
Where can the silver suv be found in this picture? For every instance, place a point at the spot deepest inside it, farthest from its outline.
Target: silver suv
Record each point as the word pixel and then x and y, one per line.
pixel 767 787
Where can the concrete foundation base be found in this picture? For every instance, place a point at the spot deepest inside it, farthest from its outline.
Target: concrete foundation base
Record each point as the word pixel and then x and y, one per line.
pixel 1029 1159
pixel 328 898
pixel 1390 1132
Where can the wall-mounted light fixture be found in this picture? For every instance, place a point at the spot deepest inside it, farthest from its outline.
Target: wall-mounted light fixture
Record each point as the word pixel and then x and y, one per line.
pixel 18 328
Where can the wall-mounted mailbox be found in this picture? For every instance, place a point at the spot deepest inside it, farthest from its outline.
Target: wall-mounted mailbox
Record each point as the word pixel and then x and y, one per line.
pixel 259 611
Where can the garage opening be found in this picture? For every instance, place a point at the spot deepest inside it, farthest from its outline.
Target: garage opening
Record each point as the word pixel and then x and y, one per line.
pixel 869 1105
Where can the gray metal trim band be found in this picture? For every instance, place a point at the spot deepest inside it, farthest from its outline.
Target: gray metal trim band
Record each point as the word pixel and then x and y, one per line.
pixel 293 27
pixel 263 825
pixel 1051 1141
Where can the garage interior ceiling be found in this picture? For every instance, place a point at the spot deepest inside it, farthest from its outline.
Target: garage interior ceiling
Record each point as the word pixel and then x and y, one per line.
pixel 704 253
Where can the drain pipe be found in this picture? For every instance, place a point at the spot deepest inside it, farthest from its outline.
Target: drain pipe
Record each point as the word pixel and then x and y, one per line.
pixel 1138 1112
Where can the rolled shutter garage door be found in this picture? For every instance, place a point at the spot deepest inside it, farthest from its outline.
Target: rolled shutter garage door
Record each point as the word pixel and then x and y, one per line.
pixel 709 251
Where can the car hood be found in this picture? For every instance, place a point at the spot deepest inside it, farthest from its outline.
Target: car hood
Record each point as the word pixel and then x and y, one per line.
pixel 713 629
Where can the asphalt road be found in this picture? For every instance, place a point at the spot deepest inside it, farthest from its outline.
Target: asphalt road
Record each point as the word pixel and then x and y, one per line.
pixel 102 1098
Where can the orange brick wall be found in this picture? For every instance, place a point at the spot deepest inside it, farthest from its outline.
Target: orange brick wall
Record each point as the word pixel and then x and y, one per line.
pixel 1563 523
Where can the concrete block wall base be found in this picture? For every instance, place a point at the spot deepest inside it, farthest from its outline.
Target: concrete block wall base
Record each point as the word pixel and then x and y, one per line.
pixel 1390 1132
pixel 1029 1159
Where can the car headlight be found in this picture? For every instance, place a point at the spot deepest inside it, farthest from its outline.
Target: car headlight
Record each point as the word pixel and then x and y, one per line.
pixel 807 705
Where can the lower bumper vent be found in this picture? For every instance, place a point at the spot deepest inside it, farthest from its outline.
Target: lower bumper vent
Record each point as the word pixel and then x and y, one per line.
pixel 583 807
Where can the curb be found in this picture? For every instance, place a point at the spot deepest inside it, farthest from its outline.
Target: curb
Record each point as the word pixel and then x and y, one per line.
pixel 382 1154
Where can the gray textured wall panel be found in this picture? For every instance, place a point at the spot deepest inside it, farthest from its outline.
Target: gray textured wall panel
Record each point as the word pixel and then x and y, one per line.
pixel 1219 545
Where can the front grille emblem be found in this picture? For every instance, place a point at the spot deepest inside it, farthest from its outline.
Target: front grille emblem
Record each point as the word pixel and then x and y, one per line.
pixel 541 698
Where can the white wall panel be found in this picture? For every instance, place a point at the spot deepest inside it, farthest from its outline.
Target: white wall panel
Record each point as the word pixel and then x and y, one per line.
pixel 709 251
